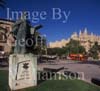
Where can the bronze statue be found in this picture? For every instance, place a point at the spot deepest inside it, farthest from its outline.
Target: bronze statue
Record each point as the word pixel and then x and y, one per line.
pixel 24 36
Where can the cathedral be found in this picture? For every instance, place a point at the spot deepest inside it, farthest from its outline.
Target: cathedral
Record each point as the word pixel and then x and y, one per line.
pixel 86 39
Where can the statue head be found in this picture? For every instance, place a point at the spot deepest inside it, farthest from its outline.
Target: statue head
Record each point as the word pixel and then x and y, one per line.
pixel 24 15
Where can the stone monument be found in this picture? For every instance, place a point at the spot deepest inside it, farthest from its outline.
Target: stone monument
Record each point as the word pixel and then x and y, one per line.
pixel 22 63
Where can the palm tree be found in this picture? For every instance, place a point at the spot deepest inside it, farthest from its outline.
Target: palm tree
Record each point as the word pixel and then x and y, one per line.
pixel 2 3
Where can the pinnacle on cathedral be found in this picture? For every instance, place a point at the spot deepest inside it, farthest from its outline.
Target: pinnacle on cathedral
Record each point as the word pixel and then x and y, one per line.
pixel 75 33
pixel 85 31
pixel 80 33
pixel 91 33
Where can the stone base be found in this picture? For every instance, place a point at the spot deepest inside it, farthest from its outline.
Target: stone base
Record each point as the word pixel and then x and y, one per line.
pixel 22 71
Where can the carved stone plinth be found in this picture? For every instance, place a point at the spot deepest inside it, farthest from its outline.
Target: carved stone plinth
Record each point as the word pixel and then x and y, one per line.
pixel 22 71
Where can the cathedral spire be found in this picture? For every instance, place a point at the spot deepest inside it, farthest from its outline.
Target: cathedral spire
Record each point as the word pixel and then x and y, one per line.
pixel 85 31
pixel 80 33
pixel 91 33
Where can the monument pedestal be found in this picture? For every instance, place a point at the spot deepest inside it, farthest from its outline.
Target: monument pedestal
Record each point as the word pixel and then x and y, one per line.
pixel 22 71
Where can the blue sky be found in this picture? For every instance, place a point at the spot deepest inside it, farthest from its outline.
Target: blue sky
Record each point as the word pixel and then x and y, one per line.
pixel 84 13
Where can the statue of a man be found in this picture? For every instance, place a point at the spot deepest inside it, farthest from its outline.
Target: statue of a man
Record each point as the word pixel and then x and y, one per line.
pixel 21 32
pixel 23 35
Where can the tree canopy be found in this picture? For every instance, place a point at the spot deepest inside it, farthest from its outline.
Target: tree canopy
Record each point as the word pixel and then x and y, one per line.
pixel 94 50
pixel 74 46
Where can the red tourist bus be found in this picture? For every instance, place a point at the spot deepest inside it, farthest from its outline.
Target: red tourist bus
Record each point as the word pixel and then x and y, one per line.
pixel 79 57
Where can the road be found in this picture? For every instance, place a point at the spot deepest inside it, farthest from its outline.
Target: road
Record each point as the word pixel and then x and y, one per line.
pixel 90 69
